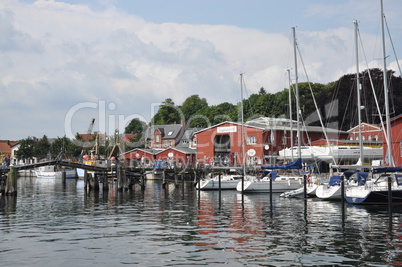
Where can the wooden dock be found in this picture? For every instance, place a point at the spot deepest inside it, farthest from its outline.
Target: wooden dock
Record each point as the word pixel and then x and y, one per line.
pixel 125 177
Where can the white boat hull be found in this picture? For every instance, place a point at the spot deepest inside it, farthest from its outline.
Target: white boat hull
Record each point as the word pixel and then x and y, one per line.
pixel 264 185
pixel 325 191
pixel 47 172
pixel 227 182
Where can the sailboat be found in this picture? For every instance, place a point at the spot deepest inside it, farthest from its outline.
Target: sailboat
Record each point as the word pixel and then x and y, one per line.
pixel 227 181
pixel 270 181
pixel 387 186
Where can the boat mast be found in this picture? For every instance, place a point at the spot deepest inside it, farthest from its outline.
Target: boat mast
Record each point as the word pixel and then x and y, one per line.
pixel 290 115
pixel 358 90
pixel 387 116
pixel 242 126
pixel 297 96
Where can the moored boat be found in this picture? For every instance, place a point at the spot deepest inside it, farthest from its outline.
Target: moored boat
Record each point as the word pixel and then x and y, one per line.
pixel 331 190
pixel 227 181
pixel 50 172
pixel 376 190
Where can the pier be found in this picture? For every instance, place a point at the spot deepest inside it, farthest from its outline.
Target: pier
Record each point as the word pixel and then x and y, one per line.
pixel 125 176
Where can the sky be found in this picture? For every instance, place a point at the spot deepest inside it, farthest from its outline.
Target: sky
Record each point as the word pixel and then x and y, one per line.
pixel 64 62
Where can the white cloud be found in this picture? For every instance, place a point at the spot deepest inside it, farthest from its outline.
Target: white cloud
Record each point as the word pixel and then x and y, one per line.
pixel 54 55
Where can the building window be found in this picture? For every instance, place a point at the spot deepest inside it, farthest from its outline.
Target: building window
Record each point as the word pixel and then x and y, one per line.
pixel 157 138
pixel 284 140
pixel 165 143
pixel 369 137
pixel 376 137
pixel 251 140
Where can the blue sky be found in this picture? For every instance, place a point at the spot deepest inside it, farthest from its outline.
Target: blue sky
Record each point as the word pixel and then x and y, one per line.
pixel 65 62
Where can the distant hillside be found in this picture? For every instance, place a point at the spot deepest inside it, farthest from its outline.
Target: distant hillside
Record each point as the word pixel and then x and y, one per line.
pixel 337 102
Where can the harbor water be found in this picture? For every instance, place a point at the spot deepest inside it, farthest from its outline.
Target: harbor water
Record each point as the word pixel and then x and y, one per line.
pixel 54 224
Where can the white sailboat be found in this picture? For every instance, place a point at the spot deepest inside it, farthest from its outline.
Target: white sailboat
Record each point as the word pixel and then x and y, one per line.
pixel 331 190
pixel 387 187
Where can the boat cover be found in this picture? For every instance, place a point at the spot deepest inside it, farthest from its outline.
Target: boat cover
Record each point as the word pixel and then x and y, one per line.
pixel 296 165
pixel 334 180
pixel 361 176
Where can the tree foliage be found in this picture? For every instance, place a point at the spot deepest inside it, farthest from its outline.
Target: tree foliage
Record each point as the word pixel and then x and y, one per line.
pixel 41 148
pixel 136 126
pixel 336 103
pixel 26 148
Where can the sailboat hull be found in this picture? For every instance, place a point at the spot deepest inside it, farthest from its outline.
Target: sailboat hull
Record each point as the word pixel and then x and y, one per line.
pixel 329 192
pixel 264 186
pixel 227 183
pixel 376 197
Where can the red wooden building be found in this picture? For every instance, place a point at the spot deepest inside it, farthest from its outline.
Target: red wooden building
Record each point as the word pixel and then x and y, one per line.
pixel 139 157
pixel 177 156
pixel 369 132
pixel 396 141
pixel 264 138
pixel 221 144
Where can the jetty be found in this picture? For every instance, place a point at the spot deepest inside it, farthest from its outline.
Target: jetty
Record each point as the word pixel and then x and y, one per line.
pixel 125 176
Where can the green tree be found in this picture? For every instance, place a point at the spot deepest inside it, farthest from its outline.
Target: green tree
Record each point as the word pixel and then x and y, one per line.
pixel 136 126
pixel 63 147
pixel 26 149
pixel 41 148
pixel 168 113
pixel 193 105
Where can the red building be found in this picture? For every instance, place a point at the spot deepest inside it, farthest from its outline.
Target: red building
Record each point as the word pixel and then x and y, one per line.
pixel 264 138
pixel 139 157
pixel 177 156
pixel 221 144
pixel 396 141
pixel 369 132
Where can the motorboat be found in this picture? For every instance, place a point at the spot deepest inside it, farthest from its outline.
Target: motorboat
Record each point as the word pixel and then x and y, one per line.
pixel 51 172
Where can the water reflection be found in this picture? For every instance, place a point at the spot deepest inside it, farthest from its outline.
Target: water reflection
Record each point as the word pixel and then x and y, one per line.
pixel 56 223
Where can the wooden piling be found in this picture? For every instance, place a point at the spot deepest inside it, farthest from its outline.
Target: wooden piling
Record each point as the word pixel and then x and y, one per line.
pixel 120 178
pixel 63 177
pixel 105 184
pixel 164 179
pixel 176 179
pixel 95 183
pixel 85 181
pixel 143 181
pixel 11 183
pixel 89 182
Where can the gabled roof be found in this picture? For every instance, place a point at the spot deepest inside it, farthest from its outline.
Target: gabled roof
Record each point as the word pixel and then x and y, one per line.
pixel 181 150
pixel 187 135
pixel 170 131
pixel 365 124
pixel 145 150
pixel 126 137
pixel 5 146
